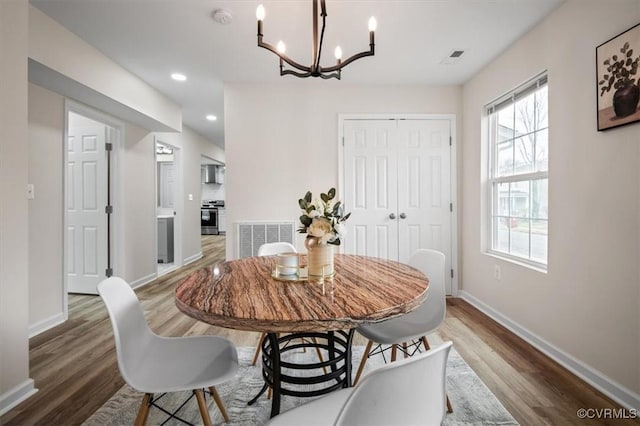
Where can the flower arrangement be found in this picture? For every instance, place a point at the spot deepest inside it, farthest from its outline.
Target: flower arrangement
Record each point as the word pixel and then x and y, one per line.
pixel 322 219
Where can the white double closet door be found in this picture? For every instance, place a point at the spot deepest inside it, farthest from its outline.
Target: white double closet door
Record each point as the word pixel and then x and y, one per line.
pixel 397 186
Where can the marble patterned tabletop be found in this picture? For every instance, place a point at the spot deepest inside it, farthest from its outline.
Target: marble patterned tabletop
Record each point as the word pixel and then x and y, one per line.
pixel 242 294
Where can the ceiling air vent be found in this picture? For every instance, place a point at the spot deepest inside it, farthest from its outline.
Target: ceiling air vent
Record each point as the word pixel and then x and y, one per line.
pixel 453 57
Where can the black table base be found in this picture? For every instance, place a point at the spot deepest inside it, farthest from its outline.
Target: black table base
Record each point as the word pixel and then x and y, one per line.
pixel 305 380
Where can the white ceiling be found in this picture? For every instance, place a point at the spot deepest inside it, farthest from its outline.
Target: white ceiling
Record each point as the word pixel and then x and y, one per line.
pixel 154 38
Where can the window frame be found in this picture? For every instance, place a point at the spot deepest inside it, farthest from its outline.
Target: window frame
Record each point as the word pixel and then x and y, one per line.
pixel 495 178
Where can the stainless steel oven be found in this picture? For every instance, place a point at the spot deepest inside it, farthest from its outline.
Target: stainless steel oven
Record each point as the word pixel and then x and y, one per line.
pixel 209 220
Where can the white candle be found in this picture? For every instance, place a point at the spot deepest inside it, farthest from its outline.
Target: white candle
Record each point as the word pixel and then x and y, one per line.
pixel 287 263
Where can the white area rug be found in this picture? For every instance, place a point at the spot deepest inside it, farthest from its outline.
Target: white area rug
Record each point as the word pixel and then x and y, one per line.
pixel 473 403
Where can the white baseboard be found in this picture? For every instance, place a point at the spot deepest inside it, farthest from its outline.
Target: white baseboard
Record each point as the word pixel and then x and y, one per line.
pixel 46 324
pixel 144 280
pixel 192 259
pixel 16 395
pixel 614 390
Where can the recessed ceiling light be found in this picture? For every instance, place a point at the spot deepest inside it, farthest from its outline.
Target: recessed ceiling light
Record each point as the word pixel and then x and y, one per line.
pixel 178 77
pixel 211 117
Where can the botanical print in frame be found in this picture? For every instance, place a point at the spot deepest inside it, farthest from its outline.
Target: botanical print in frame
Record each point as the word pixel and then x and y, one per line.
pixel 617 62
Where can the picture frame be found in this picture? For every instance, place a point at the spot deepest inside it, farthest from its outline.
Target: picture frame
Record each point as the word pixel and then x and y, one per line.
pixel 617 80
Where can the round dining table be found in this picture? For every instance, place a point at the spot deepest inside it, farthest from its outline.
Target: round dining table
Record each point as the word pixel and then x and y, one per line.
pixel 247 294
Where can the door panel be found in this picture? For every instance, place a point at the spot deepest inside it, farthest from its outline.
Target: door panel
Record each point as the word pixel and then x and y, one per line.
pixel 86 201
pixel 424 170
pixel 371 189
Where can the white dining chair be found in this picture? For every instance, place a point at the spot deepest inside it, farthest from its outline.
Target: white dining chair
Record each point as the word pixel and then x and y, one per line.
pixel 154 364
pixel 410 391
pixel 271 249
pixel 416 325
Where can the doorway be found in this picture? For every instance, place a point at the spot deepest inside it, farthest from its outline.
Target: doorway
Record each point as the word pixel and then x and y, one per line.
pixel 90 198
pixel 168 207
pixel 397 183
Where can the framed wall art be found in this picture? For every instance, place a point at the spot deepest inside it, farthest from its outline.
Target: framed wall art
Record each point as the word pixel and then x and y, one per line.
pixel 617 65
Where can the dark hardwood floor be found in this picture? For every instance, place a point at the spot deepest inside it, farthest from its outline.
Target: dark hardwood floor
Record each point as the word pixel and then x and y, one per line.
pixel 74 365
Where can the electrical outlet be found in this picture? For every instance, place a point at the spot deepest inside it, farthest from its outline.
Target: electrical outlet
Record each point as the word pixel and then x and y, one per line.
pixel 497 273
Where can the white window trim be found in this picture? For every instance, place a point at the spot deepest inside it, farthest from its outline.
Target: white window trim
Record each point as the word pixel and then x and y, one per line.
pixel 522 177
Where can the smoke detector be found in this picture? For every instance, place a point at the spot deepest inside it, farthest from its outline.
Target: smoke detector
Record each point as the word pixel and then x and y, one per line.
pixel 222 16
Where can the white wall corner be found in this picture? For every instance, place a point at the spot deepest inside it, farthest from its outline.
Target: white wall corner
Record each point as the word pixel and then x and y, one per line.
pixel 141 282
pixel 16 395
pixel 46 324
pixel 614 390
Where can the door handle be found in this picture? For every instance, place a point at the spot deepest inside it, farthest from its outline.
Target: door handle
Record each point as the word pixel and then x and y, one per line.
pixel 403 216
pixel 392 216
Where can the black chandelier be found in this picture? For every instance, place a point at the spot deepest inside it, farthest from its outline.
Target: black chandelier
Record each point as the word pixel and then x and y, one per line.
pixel 315 70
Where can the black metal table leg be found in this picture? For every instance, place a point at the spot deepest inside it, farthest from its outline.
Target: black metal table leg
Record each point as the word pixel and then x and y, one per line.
pixel 275 370
pixel 275 373
pixel 259 394
pixel 348 382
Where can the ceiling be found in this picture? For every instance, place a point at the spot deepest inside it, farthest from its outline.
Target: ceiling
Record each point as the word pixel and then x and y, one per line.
pixel 154 38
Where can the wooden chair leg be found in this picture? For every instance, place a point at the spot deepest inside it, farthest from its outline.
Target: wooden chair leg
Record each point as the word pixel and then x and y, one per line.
pixel 202 405
pixel 143 412
pixel 255 355
pixel 449 407
pixel 404 348
pixel 219 403
pixel 394 352
pixel 425 342
pixel 363 361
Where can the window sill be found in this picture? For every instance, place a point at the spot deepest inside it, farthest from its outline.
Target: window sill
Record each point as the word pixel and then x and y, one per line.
pixel 538 267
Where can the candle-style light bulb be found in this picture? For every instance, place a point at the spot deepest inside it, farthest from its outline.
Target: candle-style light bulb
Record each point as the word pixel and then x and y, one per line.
pixel 338 53
pixel 373 24
pixel 281 47
pixel 260 13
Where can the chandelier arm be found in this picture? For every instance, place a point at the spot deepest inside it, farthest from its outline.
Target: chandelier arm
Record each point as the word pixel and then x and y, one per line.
pixel 283 56
pixel 297 74
pixel 348 61
pixel 328 76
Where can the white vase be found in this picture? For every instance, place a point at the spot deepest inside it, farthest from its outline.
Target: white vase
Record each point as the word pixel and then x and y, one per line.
pixel 319 258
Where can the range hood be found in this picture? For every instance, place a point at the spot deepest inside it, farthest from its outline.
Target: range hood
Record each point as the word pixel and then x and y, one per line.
pixel 210 173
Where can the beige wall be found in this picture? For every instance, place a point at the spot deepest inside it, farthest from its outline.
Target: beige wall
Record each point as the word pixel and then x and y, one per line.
pixel 14 300
pixel 282 139
pixel 588 304
pixel 46 127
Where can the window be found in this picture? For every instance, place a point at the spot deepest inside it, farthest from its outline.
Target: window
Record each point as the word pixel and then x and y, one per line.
pixel 518 174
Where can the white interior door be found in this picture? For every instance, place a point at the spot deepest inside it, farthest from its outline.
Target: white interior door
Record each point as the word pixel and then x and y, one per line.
pixel 371 181
pixel 86 201
pixel 397 184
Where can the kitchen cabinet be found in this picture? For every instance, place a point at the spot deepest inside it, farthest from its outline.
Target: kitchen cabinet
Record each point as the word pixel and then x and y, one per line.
pixel 222 220
pixel 165 239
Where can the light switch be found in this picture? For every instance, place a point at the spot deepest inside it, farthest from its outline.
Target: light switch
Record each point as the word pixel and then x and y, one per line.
pixel 31 192
pixel 190 197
